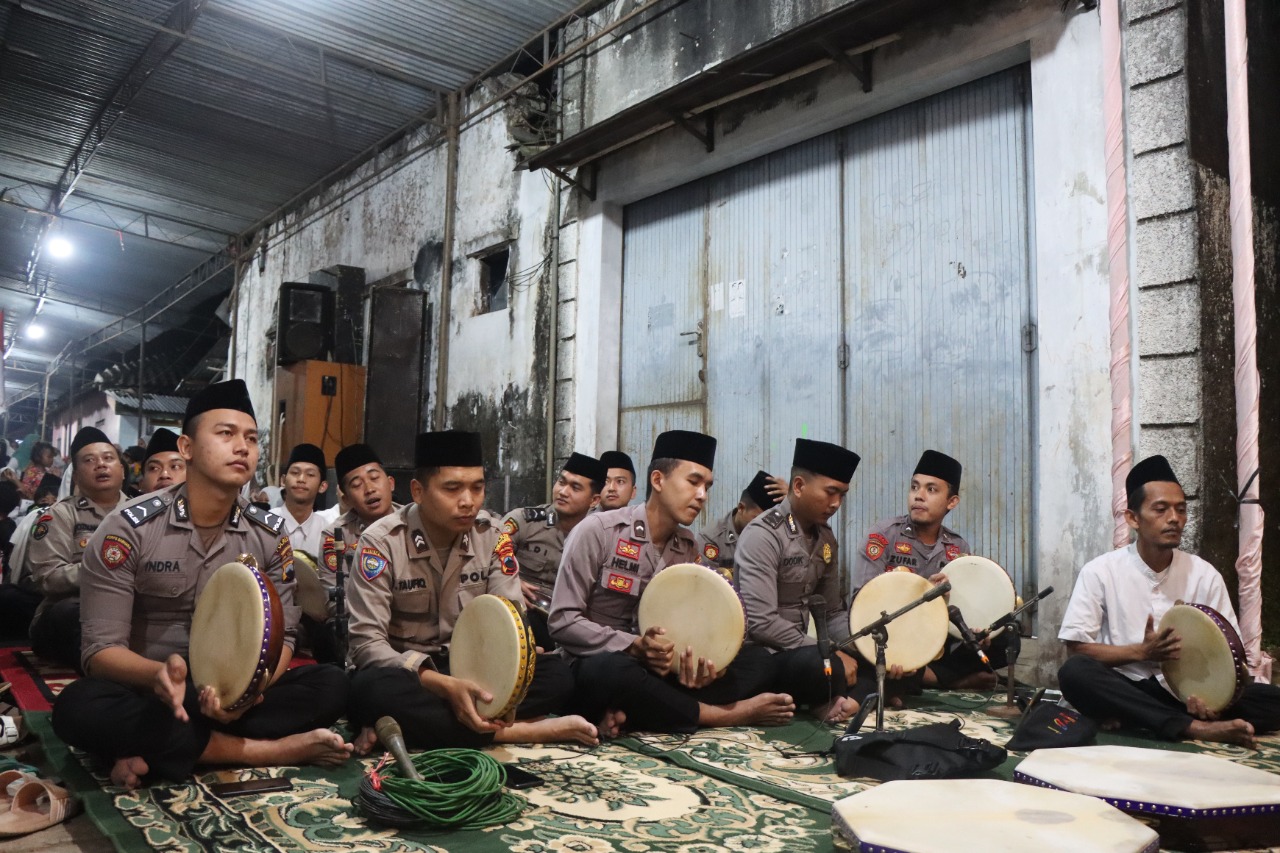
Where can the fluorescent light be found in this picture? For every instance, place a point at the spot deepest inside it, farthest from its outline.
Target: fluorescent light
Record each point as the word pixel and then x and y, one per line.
pixel 59 247
pixel 35 331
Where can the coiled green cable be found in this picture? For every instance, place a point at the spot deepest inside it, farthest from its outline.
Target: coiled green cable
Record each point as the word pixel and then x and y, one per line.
pixel 460 789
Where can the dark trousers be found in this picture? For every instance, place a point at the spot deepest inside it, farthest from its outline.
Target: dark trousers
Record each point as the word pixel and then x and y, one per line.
pixel 617 681
pixel 958 660
pixel 428 721
pixel 1098 691
pixel 541 633
pixel 114 721
pixel 800 674
pixel 17 607
pixel 55 636
pixel 321 638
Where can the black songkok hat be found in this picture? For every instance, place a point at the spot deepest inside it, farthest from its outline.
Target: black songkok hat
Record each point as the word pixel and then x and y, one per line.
pixel 308 453
pixel 162 441
pixel 1150 470
pixel 617 459
pixel 85 437
pixel 826 459
pixel 586 466
pixel 683 444
pixel 756 491
pixel 354 456
pixel 450 448
pixel 940 465
pixel 232 394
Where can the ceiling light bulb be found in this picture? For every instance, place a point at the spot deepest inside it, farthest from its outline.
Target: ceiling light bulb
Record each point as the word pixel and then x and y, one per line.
pixel 59 247
pixel 35 331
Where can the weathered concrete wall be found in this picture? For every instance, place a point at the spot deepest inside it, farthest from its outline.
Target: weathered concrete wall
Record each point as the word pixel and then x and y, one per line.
pixel 388 218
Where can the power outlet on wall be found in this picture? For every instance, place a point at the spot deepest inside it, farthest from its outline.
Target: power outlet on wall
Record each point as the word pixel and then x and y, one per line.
pixel 329 386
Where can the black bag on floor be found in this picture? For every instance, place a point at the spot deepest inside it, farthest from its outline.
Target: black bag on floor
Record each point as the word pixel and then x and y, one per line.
pixel 935 751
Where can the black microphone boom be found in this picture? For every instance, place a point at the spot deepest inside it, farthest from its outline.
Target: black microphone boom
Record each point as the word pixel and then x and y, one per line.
pixel 966 636
pixel 818 610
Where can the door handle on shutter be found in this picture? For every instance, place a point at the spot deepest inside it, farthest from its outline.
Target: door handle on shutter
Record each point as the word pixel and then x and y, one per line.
pixel 697 338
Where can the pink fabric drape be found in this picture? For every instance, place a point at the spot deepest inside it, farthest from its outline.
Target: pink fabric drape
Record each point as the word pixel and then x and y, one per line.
pixel 1249 563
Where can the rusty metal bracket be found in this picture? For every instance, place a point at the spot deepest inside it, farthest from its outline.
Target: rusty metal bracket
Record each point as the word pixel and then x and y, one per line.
pixel 859 69
pixel 587 189
pixel 705 134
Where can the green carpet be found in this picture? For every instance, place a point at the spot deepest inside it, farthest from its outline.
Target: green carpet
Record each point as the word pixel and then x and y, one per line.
pixel 742 789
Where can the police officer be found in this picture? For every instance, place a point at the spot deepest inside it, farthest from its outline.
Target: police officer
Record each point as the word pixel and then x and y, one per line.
pixel 920 542
pixel 619 481
pixel 719 541
pixel 144 569
pixel 538 533
pixel 58 540
pixel 414 571
pixel 366 489
pixel 303 482
pixel 623 677
pixel 787 555
pixel 162 465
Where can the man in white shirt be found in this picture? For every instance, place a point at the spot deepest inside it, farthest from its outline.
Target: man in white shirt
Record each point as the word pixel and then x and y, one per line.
pixel 304 481
pixel 1113 674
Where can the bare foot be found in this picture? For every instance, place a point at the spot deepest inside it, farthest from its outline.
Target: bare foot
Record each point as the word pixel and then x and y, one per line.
pixel 1222 731
pixel 318 746
pixel 837 710
pixel 610 726
pixel 573 729
pixel 766 709
pixel 128 772
pixel 365 741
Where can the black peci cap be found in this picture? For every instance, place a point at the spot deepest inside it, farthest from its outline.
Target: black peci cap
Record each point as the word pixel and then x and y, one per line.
pixel 940 465
pixel 586 466
pixel 449 448
pixel 684 444
pixel 354 456
pixel 1150 470
pixel 232 394
pixel 618 459
pixel 829 460
pixel 85 437
pixel 308 453
pixel 162 441
pixel 759 496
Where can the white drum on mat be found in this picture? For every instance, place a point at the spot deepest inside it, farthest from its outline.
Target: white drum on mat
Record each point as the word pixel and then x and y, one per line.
pixel 696 607
pixel 493 646
pixel 916 637
pixel 984 815
pixel 1211 660
pixel 982 591
pixel 237 635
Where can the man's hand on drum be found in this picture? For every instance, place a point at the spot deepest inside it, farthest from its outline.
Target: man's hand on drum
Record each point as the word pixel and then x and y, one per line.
pixel 653 651
pixel 170 685
pixel 1162 645
pixel 850 667
pixel 530 593
pixel 1197 709
pixel 462 695
pixel 211 707
pixel 696 672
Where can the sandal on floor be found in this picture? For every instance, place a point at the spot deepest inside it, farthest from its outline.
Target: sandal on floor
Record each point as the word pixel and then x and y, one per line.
pixel 7 780
pixel 37 805
pixel 11 732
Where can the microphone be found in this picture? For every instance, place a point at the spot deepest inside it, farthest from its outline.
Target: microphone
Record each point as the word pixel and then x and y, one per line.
pixel 818 610
pixel 939 590
pixel 966 635
pixel 393 739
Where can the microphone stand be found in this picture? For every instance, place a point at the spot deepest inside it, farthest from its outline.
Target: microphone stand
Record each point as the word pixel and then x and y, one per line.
pixel 1013 647
pixel 340 599
pixel 879 632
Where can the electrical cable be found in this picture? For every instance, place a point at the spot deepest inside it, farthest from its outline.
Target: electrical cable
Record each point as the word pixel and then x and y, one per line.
pixel 460 789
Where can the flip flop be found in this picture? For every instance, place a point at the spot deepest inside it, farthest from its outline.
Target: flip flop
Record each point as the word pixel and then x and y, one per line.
pixel 37 805
pixel 7 778
pixel 11 732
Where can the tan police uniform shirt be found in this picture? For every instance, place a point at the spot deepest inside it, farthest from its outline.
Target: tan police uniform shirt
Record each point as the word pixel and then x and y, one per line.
pixel 539 544
pixel 778 567
pixel 608 561
pixel 146 565
pixel 404 603
pixel 892 543
pixel 352 526
pixel 718 543
pixel 57 545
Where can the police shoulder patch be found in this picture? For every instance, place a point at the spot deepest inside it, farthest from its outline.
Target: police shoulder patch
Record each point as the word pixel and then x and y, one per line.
pixel 510 526
pixel 262 518
pixel 143 511
pixel 115 550
pixel 329 553
pixel 710 551
pixel 774 519
pixel 371 562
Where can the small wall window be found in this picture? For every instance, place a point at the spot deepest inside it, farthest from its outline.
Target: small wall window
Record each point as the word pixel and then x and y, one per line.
pixel 494 289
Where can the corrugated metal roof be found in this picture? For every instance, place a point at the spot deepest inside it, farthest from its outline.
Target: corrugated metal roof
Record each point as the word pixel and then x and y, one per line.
pixel 256 103
pixel 152 404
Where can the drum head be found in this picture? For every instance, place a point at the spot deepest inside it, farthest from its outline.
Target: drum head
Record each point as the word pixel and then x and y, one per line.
pixel 493 646
pixel 227 632
pixel 1207 666
pixel 697 607
pixel 311 594
pixel 915 638
pixel 981 589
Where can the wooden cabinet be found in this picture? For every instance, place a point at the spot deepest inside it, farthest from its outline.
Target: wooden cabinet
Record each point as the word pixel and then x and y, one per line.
pixel 318 402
